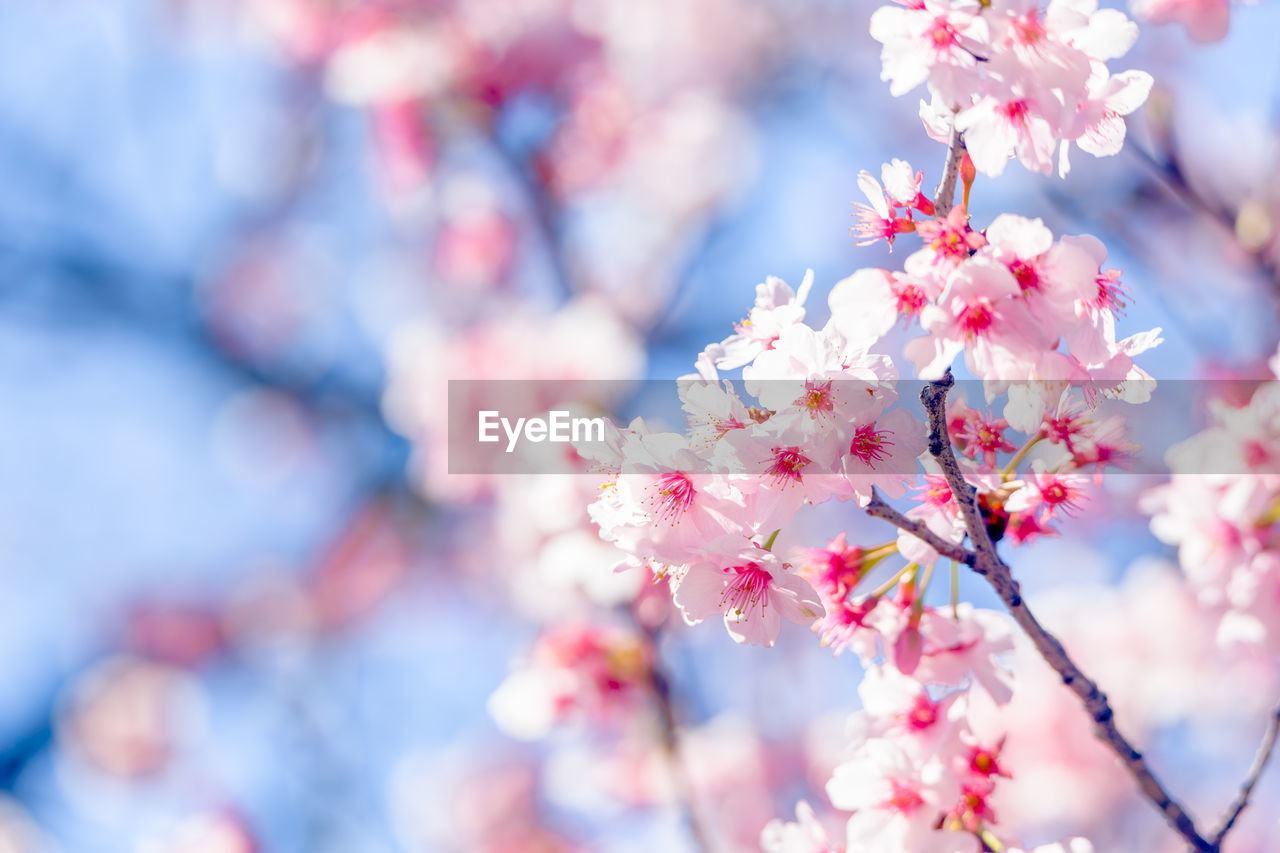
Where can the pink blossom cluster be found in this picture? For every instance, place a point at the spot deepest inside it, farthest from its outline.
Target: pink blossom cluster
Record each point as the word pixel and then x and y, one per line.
pixel 1221 507
pixel 1008 296
pixel 1159 681
pixel 698 506
pixel 921 770
pixel 1014 79
pixel 919 777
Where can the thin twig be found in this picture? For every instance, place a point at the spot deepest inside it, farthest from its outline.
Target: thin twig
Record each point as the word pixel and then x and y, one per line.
pixel 1251 779
pixel 988 563
pixel 946 193
pixel 1171 174
pixel 879 509
pixel 1173 177
pixel 664 700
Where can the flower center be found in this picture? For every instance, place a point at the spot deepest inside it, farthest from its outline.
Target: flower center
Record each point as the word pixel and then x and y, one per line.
pixel 1016 112
pixel 1111 293
pixel 942 34
pixel 1027 275
pixel 748 588
pixel 904 799
pixel 672 497
pixel 869 445
pixel 788 463
pixel 817 398
pixel 923 714
pixel 976 319
pixel 1028 30
pixel 910 300
pixel 983 762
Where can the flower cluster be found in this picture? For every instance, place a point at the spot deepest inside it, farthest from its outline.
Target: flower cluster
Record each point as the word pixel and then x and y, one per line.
pixel 1007 296
pixel 922 768
pixel 701 507
pixel 1221 508
pixel 698 506
pixel 1015 80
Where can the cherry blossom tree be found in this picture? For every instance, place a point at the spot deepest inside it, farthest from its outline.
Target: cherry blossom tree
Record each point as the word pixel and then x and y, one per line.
pixel 857 480
pixel 1036 321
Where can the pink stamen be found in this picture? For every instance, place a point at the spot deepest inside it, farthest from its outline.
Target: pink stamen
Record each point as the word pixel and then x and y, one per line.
pixel 672 497
pixel 788 465
pixel 869 445
pixel 749 588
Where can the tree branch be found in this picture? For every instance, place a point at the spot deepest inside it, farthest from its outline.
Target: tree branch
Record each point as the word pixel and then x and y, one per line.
pixel 879 509
pixel 664 702
pixel 987 562
pixel 1173 177
pixel 945 196
pixel 1251 779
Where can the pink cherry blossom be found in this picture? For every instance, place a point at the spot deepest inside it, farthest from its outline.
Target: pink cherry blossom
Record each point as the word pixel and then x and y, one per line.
pixel 777 307
pixel 930 39
pixel 867 304
pixel 877 220
pixel 899 709
pixel 834 570
pixel 882 454
pixel 978 435
pixel 1012 118
pixel 967 643
pixel 1048 492
pixel 1099 127
pixel 974 315
pixel 574 671
pixel 753 590
pixel 1071 845
pixel 896 800
pixel 663 504
pixel 1016 79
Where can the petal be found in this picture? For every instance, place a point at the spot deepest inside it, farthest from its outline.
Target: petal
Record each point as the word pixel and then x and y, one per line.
pixel 699 593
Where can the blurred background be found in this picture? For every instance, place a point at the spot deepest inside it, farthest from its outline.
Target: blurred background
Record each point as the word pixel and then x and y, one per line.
pixel 244 245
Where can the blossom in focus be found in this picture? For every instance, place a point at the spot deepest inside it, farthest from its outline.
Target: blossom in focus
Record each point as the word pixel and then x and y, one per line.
pixel 753 590
pixel 1017 80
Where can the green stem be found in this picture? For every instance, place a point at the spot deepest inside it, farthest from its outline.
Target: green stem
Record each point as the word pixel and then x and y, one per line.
pixel 955 590
pixel 1007 471
pixel 918 604
pixel 893 581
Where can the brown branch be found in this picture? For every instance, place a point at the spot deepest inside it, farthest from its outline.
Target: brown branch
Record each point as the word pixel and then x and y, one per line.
pixel 879 509
pixel 1173 177
pixel 665 704
pixel 945 196
pixel 1251 779
pixel 987 562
